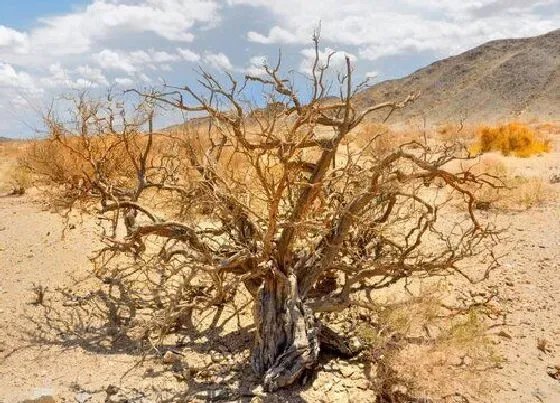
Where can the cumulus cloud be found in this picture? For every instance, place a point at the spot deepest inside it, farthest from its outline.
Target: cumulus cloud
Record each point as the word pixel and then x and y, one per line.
pixel 275 35
pixel 10 38
pixel 134 61
pixel 80 77
pixel 385 28
pixel 256 66
pixel 336 59
pixel 92 75
pixel 102 20
pixel 188 55
pixel 111 60
pixel 12 79
pixel 217 61
pixel 124 82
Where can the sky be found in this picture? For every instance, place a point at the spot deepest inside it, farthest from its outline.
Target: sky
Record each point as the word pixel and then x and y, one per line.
pixel 53 48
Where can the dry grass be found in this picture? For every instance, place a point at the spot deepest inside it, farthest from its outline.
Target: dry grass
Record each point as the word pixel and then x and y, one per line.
pixel 520 193
pixel 12 177
pixel 513 138
pixel 443 352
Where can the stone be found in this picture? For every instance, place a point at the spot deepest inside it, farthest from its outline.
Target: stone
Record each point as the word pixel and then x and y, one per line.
pixel 346 371
pixel 83 397
pixel 170 357
pixel 340 397
pixel 216 357
pixel 355 344
pixel 362 384
pixel 553 371
pixel 357 375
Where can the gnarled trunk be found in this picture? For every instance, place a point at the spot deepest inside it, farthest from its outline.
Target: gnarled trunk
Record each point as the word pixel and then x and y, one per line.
pixel 286 340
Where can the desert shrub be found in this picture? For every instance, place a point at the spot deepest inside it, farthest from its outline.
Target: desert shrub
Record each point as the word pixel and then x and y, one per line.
pixel 287 206
pixel 20 179
pixel 517 192
pixel 421 350
pixel 513 138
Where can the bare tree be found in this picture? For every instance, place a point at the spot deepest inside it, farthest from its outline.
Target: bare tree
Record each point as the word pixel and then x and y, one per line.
pixel 280 199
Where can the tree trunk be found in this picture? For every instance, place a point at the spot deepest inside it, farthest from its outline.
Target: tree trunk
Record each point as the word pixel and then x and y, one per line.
pixel 286 340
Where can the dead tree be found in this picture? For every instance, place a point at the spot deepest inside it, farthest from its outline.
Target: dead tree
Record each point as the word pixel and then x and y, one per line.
pixel 283 201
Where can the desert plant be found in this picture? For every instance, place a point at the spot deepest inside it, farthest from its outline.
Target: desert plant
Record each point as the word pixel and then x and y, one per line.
pixel 278 201
pixel 513 138
pixel 20 179
pixel 39 291
pixel 517 192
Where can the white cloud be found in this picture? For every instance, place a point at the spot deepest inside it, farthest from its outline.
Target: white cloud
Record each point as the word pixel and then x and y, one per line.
pixel 372 75
pixel 217 61
pixel 92 75
pixel 188 55
pixel 135 61
pixel 256 66
pixel 111 60
pixel 124 82
pixel 384 28
pixel 105 21
pixel 80 77
pixel 76 33
pixel 11 38
pixel 275 35
pixel 10 78
pixel 164 57
pixel 336 59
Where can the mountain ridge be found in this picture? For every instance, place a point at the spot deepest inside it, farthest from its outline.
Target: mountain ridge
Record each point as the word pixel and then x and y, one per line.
pixel 499 80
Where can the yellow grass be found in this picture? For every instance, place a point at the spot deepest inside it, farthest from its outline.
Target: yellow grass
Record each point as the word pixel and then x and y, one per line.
pixel 513 138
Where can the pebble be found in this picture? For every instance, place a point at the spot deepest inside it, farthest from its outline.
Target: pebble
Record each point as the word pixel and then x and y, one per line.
pixel 347 371
pixel 216 357
pixel 170 357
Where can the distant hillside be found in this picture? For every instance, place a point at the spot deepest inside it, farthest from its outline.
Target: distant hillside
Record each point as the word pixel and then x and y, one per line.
pixel 506 79
pixel 5 139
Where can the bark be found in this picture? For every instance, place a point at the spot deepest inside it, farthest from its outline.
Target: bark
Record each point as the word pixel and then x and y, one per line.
pixel 286 340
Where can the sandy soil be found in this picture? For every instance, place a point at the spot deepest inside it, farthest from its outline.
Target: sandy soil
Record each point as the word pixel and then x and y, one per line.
pixel 34 250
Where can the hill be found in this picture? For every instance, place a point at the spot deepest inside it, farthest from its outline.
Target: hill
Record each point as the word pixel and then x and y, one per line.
pixel 505 79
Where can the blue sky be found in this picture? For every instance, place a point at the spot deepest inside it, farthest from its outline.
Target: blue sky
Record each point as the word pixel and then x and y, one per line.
pixel 23 14
pixel 49 48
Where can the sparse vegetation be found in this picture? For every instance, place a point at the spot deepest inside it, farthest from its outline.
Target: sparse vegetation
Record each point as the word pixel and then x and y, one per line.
pixel 284 202
pixel 513 138
pixel 517 192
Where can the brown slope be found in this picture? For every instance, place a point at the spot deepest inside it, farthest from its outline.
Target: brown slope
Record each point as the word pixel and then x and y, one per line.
pixel 506 79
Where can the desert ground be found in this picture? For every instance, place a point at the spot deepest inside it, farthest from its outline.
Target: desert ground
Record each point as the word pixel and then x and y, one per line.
pixel 51 352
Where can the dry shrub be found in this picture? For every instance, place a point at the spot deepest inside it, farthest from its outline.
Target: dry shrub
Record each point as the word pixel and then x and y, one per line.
pixel 61 166
pixel 20 179
pixel 513 138
pixel 549 129
pixel 12 179
pixel 382 138
pixel 518 192
pixel 64 161
pixel 443 352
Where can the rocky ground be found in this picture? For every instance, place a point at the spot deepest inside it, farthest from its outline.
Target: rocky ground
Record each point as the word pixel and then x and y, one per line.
pixel 38 358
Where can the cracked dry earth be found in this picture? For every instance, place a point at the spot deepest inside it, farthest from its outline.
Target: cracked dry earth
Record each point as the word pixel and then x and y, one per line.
pixel 32 251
